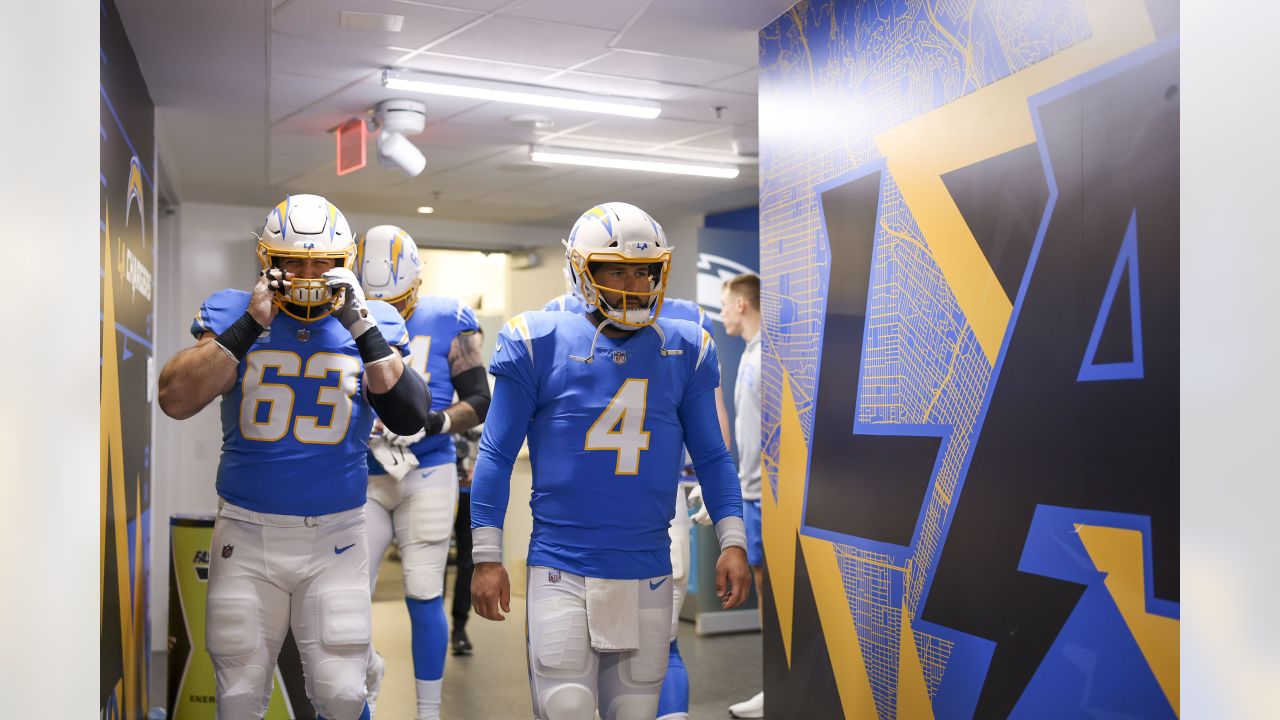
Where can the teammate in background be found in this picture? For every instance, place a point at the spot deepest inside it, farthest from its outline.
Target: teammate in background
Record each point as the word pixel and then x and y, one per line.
pixel 468 447
pixel 607 399
pixel 299 391
pixel 418 509
pixel 740 303
pixel 674 700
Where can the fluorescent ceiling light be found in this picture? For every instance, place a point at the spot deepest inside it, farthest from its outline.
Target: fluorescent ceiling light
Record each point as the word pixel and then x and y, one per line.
pixel 480 89
pixel 426 210
pixel 620 161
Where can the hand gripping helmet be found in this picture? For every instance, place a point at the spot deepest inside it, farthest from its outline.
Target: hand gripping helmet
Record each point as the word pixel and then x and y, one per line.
pixel 618 233
pixel 387 264
pixel 302 227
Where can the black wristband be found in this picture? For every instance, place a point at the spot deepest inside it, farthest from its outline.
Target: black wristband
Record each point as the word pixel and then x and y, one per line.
pixel 435 422
pixel 240 336
pixel 373 347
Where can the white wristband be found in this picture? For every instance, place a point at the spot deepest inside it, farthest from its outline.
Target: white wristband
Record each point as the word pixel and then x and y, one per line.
pixel 486 544
pixel 448 423
pixel 732 532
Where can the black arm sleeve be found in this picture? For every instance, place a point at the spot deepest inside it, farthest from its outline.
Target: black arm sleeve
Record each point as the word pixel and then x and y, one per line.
pixel 473 389
pixel 403 408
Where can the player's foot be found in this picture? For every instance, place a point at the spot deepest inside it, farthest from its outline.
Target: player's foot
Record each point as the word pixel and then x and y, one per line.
pixel 460 643
pixel 373 680
pixel 753 708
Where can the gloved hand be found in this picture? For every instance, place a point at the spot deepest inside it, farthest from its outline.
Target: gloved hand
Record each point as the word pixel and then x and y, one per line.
pixel 702 516
pixel 349 305
pixel 403 440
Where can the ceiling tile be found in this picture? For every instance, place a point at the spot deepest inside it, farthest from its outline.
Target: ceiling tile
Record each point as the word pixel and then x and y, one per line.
pixel 616 85
pixel 612 15
pixel 315 58
pixel 528 41
pixel 721 30
pixel 664 68
pixel 319 19
pixel 747 83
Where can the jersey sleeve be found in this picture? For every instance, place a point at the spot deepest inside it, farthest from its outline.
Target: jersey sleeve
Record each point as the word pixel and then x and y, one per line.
pixel 219 311
pixel 391 325
pixel 504 432
pixel 711 460
pixel 706 366
pixel 513 355
pixel 555 304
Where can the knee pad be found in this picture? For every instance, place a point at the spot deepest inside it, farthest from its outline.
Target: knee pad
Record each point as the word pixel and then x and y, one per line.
pixel 563 646
pixel 426 513
pixel 424 568
pixel 632 707
pixel 232 627
pixel 243 692
pixel 568 702
pixel 337 688
pixel 344 620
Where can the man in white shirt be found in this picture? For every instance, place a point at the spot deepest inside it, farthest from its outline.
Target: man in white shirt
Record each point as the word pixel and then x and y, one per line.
pixel 740 311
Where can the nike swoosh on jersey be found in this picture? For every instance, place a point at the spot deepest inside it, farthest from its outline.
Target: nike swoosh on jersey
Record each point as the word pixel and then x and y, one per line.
pixel 655 585
pixel 497 348
pixel 339 550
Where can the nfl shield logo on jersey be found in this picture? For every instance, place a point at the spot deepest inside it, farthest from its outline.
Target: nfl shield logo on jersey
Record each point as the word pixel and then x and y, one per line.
pixel 553 576
pixel 620 357
pixel 227 550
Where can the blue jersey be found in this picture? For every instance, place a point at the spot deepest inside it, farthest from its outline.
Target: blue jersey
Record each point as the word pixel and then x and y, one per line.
pixel 295 427
pixel 433 326
pixel 605 439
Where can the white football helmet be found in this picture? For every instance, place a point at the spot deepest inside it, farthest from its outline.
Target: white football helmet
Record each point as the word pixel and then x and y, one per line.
pixel 306 226
pixel 388 266
pixel 616 232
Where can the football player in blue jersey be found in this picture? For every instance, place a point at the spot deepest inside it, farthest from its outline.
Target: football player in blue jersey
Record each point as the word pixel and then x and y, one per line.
pixel 418 506
pixel 674 700
pixel 302 362
pixel 607 400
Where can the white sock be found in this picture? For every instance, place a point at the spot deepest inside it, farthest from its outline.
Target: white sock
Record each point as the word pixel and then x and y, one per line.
pixel 429 699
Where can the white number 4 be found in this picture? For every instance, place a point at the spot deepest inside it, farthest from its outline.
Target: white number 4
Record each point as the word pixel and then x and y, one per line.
pixel 621 426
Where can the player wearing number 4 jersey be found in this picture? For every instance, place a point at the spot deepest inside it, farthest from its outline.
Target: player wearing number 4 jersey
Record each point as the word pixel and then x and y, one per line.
pixel 301 362
pixel 607 399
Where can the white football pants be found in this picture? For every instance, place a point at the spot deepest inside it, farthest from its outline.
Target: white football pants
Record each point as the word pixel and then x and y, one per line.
pixel 568 678
pixel 270 573
pixel 418 511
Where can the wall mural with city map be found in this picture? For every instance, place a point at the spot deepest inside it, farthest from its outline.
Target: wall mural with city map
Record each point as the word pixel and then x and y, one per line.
pixel 969 246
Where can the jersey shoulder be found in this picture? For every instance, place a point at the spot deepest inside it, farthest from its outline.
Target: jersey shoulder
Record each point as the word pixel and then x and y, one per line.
pixel 681 309
pixel 219 311
pixel 450 308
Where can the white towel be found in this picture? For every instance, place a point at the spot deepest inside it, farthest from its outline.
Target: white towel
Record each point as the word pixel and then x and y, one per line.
pixel 613 614
pixel 396 460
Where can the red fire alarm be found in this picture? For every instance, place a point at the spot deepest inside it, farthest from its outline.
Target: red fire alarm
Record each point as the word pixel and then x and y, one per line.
pixel 353 137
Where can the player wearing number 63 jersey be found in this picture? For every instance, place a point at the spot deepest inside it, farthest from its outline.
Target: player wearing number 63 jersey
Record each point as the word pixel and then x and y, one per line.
pixel 607 400
pixel 301 363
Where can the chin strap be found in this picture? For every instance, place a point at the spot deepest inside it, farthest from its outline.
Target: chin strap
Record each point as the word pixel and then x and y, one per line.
pixel 591 354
